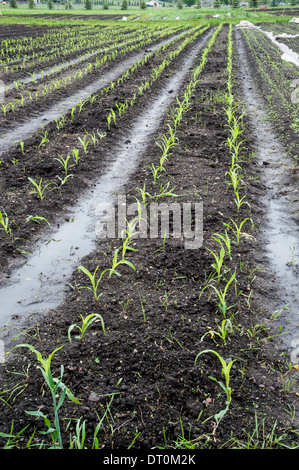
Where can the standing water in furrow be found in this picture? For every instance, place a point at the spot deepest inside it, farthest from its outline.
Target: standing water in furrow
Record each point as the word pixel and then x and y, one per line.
pixel 279 234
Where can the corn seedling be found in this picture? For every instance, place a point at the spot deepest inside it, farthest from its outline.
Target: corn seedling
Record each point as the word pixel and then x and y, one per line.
pixel 155 172
pixel 218 261
pixel 22 147
pixel 94 284
pixel 240 201
pixel 75 155
pixel 221 294
pixel 94 140
pixel 55 385
pixel 60 122
pixel 84 142
pixel 116 263
pixel 38 188
pixel 44 139
pixel 218 237
pixel 237 229
pixel 64 180
pixel 101 135
pixel 36 219
pixel 224 328
pixel 111 118
pixel 18 84
pixel 165 192
pixel 226 367
pixel 86 322
pixel 4 223
pixel 4 108
pixel 64 162
pixel 21 101
pixel 143 194
pixel 235 180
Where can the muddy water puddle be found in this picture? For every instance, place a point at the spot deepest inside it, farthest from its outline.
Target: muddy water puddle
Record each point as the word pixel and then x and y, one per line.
pixel 279 233
pixel 39 285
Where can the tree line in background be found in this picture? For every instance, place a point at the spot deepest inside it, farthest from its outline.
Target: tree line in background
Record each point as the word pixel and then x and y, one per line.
pixel 88 4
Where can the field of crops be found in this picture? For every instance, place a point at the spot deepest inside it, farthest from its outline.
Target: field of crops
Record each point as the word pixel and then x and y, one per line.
pixel 149 235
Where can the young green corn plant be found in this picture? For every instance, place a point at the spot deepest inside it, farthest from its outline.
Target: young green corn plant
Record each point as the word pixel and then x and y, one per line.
pixel 130 232
pixel 22 146
pixel 218 261
pixel 4 108
pixel 75 155
pixel 240 201
pixel 116 263
pixel 225 370
pixel 64 180
pixel 64 162
pixel 84 142
pixel 44 139
pixel 60 122
pixel 235 129
pixel 221 294
pixel 156 172
pixel 236 229
pixel 224 328
pixel 101 135
pixel 230 110
pixel 94 140
pixel 86 322
pixel 4 223
pixel 144 194
pixel 38 188
pixel 12 105
pixel 55 386
pixel 219 237
pixel 111 118
pixel 165 191
pixel 37 219
pixel 235 179
pixel 235 149
pixel 94 284
pixel 18 84
pixel 21 101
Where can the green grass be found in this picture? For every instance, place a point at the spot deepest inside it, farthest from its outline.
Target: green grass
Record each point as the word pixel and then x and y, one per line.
pixel 11 16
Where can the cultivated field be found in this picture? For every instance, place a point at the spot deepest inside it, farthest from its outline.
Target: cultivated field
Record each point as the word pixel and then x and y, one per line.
pixel 122 329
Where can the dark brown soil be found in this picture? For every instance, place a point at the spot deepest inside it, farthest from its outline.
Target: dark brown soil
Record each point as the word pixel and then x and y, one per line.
pixel 146 359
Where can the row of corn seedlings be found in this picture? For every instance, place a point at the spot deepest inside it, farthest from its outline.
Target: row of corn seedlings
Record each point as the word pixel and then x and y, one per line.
pixel 84 42
pixel 46 90
pixel 236 128
pixel 12 61
pixel 105 46
pixel 156 72
pixel 223 280
pixel 53 36
pixel 66 46
pixel 277 80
